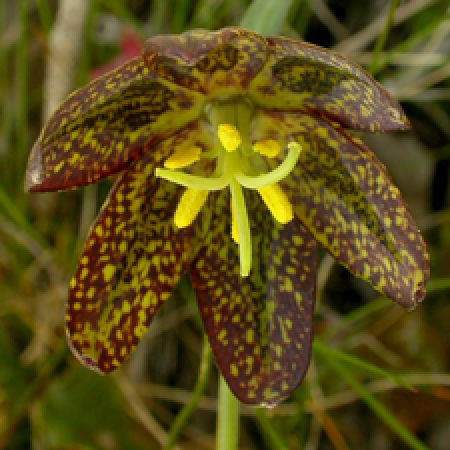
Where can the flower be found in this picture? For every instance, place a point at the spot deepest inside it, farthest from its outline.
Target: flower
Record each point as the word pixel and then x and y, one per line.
pixel 235 158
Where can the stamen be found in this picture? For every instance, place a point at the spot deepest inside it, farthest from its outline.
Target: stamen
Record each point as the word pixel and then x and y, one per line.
pixel 183 157
pixel 284 169
pixel 268 147
pixel 245 241
pixel 234 227
pixel 190 204
pixel 193 181
pixel 229 137
pixel 277 202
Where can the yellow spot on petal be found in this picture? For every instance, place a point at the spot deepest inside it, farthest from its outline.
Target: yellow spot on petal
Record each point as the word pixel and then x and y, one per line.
pixel 59 166
pixel 418 277
pixel 268 147
pixel 182 158
pixel 189 206
pixel 277 202
pixel 75 157
pixel 108 272
pixel 229 137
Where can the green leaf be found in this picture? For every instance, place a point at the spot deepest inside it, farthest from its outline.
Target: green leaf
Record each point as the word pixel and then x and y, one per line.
pixel 78 409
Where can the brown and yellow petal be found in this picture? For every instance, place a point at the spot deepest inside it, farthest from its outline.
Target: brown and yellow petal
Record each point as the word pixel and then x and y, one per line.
pixel 260 326
pixel 304 77
pixel 344 196
pixel 101 127
pixel 216 63
pixel 132 261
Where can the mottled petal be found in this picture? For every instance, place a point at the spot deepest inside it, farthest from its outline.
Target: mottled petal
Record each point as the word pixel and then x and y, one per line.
pixel 132 261
pixel 301 76
pixel 103 126
pixel 259 327
pixel 345 197
pixel 217 63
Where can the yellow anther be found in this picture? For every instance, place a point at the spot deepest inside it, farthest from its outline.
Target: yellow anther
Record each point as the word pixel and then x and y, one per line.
pixel 234 227
pixel 229 137
pixel 267 147
pixel 183 157
pixel 277 202
pixel 189 206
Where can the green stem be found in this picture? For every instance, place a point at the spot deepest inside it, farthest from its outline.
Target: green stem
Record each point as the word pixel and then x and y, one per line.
pixel 227 419
pixel 189 408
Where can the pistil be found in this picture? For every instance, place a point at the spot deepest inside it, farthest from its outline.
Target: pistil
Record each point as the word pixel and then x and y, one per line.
pixel 238 165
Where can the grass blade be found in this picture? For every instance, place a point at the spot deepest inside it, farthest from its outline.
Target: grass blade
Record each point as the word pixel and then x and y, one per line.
pixel 266 16
pixel 320 347
pixel 377 407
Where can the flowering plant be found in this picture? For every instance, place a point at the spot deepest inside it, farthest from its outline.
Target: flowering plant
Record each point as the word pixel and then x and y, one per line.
pixel 235 158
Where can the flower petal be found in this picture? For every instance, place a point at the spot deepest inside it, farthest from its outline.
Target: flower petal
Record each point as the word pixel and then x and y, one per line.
pixel 301 76
pixel 344 196
pixel 133 259
pixel 103 126
pixel 217 63
pixel 260 326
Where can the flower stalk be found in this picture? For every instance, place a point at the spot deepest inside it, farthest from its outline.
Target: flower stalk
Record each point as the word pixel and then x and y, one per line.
pixel 227 419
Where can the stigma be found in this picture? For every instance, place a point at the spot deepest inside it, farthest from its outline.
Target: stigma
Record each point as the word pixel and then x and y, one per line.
pixel 239 164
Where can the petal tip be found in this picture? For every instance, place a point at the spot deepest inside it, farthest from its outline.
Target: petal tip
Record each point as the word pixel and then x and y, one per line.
pixel 33 177
pixel 419 295
pixel 86 360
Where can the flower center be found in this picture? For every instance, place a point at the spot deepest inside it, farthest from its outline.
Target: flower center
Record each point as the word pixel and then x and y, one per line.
pixel 238 164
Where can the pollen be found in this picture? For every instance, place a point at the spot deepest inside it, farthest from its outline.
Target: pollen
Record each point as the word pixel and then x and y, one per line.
pixel 234 227
pixel 229 137
pixel 183 158
pixel 277 202
pixel 189 206
pixel 268 147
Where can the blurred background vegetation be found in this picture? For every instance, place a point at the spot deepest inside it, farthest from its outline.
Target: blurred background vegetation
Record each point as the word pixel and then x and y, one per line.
pixel 351 398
